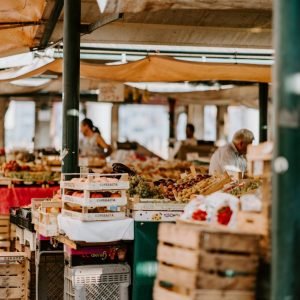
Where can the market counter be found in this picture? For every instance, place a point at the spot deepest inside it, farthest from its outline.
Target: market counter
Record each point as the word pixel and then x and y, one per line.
pixel 21 196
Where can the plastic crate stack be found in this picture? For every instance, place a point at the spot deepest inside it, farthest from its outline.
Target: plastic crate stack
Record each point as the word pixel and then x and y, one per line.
pixel 97 282
pixel 202 263
pixel 95 197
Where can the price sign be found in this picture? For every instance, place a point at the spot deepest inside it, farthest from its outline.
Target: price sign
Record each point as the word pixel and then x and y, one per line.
pixel 111 92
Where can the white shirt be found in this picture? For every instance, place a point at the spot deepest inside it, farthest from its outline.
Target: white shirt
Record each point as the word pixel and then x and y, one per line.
pixel 227 157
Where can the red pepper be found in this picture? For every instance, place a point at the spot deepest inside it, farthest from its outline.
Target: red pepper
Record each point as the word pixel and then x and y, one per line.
pixel 199 215
pixel 224 215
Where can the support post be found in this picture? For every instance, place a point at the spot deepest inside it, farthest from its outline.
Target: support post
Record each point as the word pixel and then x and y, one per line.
pixel 114 125
pixel 196 117
pixel 221 122
pixel 172 104
pixel 286 164
pixel 263 111
pixel 4 102
pixel 71 73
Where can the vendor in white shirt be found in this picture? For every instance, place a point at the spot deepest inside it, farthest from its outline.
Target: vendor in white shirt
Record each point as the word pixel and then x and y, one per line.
pixel 233 155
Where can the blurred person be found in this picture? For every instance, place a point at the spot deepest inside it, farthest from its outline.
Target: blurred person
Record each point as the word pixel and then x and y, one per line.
pixel 232 156
pixel 92 143
pixel 190 138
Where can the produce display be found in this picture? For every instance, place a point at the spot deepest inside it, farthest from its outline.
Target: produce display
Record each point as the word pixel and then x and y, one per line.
pixel 205 186
pixel 154 169
pixel 29 173
pixel 215 209
pixel 239 188
pixel 140 187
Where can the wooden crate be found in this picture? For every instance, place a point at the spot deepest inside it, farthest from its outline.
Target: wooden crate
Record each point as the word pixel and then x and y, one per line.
pixel 30 273
pixel 193 259
pixel 12 231
pixel 13 281
pixel 86 214
pixel 163 293
pixel 4 228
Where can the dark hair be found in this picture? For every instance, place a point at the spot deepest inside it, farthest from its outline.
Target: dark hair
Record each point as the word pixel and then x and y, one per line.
pixel 191 127
pixel 89 123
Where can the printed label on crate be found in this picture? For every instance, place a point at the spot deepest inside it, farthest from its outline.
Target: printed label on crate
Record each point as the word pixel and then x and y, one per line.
pixel 157 206
pixel 156 216
pixel 94 216
pixel 95 186
pixel 95 201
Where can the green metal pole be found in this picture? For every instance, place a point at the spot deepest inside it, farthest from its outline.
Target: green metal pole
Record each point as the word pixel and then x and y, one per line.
pixel 286 186
pixel 263 112
pixel 71 82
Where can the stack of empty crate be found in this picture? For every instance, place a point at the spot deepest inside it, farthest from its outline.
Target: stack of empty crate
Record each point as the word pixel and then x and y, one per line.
pixel 198 263
pixel 260 165
pixel 25 242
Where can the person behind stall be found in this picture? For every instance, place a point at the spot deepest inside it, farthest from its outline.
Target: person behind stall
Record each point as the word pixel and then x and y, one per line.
pixel 233 155
pixel 190 138
pixel 92 144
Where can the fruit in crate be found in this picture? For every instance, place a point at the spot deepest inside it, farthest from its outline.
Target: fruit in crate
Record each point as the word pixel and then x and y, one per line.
pixel 138 186
pixel 78 194
pixel 96 195
pixel 100 179
pixel 12 166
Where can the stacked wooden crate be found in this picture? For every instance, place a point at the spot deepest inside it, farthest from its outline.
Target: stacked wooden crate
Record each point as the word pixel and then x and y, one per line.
pixel 260 165
pixel 198 263
pixel 13 277
pixel 4 233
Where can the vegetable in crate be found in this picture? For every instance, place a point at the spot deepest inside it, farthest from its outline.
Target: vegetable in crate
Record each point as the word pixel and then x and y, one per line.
pixel 140 187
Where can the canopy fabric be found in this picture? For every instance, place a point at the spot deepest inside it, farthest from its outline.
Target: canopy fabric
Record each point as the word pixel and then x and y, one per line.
pixel 18 28
pixel 21 10
pixel 121 6
pixel 165 69
pixel 150 69
pixel 39 66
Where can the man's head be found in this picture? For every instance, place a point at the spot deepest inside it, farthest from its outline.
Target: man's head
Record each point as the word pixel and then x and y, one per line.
pixel 242 139
pixel 190 130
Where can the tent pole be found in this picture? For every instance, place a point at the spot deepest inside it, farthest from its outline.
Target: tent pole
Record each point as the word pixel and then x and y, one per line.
pixel 71 82
pixel 263 112
pixel 172 105
pixel 286 192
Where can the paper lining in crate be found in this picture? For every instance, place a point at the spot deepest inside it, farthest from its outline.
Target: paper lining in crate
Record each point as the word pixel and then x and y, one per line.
pixel 154 209
pixel 95 182
pixel 85 213
pixel 202 263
